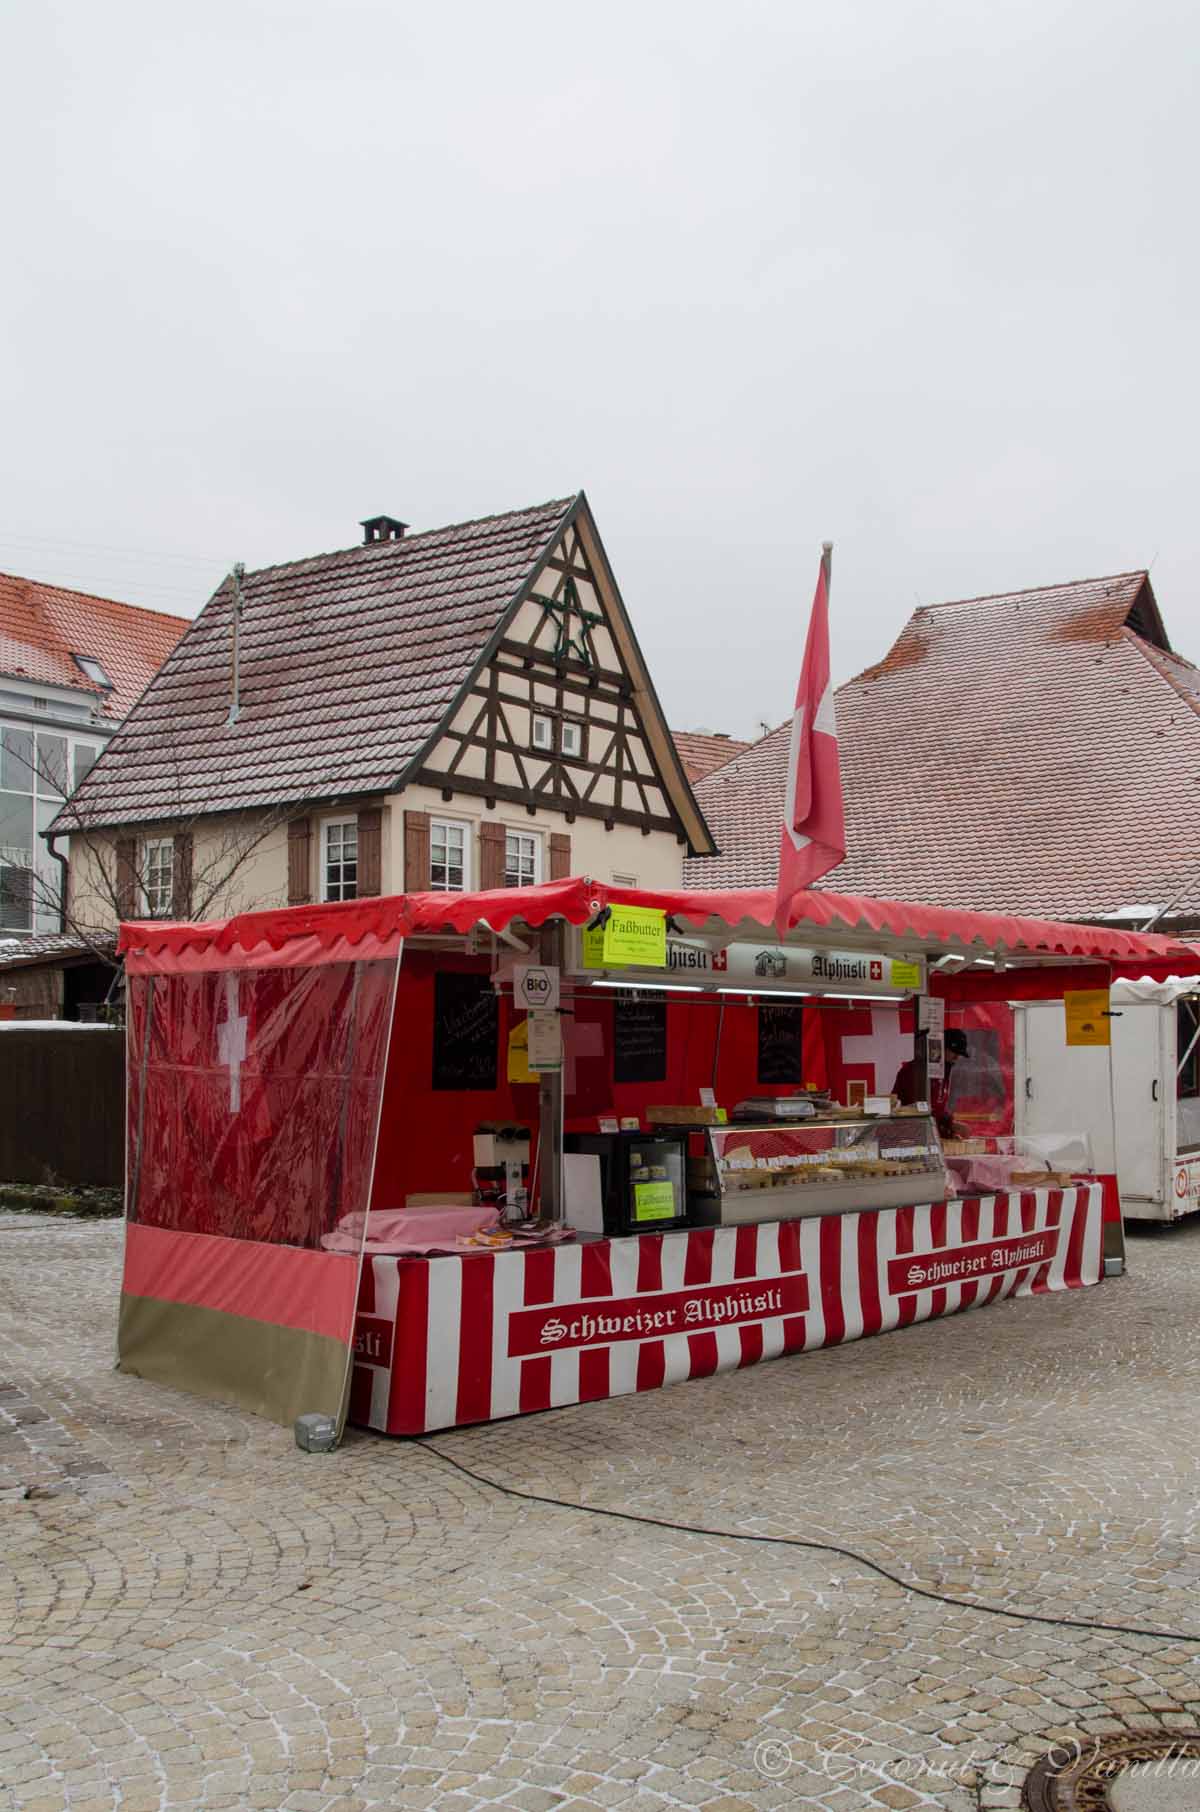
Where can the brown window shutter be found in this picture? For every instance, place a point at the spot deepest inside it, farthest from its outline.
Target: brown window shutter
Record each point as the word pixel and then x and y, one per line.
pixel 560 855
pixel 127 878
pixel 491 855
pixel 416 852
pixel 299 861
pixel 370 850
pixel 181 876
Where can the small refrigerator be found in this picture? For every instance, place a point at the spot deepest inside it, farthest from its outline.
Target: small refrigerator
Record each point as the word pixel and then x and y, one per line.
pixel 643 1178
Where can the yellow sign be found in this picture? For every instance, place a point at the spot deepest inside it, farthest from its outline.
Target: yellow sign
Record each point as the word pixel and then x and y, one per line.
pixel 653 1201
pixel 1087 1016
pixel 635 937
pixel 593 947
pixel 518 1054
pixel 906 975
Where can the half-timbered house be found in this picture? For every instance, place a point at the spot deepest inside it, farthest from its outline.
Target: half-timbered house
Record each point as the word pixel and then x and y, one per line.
pixel 457 709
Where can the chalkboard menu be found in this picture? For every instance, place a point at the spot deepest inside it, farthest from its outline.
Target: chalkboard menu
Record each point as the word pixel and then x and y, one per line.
pixel 639 1040
pixel 780 1052
pixel 466 1030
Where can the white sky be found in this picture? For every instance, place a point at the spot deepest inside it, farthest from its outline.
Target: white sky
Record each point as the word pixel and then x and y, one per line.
pixel 922 279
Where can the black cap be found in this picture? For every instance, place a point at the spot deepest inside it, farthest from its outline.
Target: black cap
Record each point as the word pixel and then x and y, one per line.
pixel 956 1041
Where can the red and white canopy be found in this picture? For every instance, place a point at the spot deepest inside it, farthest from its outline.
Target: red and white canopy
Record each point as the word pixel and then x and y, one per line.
pixel 363 930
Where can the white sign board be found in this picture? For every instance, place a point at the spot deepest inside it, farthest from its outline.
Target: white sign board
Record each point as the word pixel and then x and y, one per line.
pixel 536 987
pixel 545 1042
pixel 774 969
pixel 931 1015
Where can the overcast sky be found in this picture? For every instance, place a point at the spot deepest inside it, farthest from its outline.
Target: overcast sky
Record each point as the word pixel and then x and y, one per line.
pixel 920 279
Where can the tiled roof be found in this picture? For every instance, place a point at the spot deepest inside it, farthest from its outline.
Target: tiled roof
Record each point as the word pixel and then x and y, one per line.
pixel 348 662
pixel 702 750
pixel 52 946
pixel 1030 752
pixel 42 627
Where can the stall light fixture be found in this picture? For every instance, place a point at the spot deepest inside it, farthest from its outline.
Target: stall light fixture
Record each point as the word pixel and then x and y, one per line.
pixel 632 987
pixel 869 1000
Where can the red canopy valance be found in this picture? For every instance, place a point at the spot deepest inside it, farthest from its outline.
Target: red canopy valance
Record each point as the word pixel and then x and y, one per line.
pixel 359 930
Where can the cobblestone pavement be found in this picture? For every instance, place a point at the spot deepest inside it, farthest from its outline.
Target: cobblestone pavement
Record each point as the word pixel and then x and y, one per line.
pixel 197 1615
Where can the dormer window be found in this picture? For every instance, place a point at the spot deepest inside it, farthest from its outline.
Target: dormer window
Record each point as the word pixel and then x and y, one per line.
pixel 91 669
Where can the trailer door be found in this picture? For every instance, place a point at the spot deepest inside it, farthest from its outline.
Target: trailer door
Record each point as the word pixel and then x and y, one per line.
pixel 1140 1084
pixel 1060 1089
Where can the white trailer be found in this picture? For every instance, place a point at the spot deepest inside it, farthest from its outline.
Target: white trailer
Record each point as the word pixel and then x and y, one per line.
pixel 1144 1122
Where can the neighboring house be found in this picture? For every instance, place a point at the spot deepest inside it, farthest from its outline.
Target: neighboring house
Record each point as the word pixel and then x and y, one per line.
pixel 463 708
pixel 703 750
pixel 71 666
pixel 1033 752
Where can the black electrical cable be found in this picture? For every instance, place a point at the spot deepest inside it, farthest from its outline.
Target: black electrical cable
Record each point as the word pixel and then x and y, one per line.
pixel 815 1547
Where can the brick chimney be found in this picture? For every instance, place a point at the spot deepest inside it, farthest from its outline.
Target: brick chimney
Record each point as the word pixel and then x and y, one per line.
pixel 382 528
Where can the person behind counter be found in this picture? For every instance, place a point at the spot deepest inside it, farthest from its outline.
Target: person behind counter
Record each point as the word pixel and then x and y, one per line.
pixel 908 1084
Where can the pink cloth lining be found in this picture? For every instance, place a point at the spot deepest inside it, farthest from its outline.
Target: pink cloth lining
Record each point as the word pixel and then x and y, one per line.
pixel 411 1230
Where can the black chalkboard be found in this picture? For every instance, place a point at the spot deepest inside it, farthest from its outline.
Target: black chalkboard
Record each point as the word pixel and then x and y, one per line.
pixel 780 1053
pixel 466 1030
pixel 639 1040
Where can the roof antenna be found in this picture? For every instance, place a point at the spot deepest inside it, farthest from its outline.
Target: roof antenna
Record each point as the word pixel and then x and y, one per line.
pixel 235 703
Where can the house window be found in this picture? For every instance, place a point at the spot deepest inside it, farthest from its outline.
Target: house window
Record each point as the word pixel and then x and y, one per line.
pixel 449 856
pixel 339 859
pixel 52 764
pixel 36 772
pixel 16 760
pixel 522 859
pixel 624 880
pixel 158 876
pixel 16 897
pixel 563 735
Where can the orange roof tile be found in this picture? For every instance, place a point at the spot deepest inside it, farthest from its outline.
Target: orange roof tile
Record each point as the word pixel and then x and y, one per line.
pixel 703 750
pixel 42 627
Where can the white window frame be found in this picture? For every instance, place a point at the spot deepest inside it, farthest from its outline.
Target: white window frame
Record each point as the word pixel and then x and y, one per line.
pixel 541 735
pixel 625 880
pixel 451 824
pixel 537 840
pixel 569 726
pixel 338 824
pixel 156 876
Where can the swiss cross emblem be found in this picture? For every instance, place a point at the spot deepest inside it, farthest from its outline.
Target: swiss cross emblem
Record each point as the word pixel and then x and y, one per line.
pixel 876 971
pixel 720 961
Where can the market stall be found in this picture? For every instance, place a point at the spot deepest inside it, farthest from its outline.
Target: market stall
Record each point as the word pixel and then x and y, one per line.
pixel 360 1133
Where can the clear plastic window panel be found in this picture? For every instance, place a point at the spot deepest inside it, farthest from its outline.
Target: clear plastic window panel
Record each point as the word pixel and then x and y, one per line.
pixel 253 1098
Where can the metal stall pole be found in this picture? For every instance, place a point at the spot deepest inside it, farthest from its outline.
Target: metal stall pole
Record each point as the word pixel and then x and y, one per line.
pixel 551 946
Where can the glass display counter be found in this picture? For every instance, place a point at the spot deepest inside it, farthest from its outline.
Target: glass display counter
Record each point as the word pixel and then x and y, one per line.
pixel 773 1172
